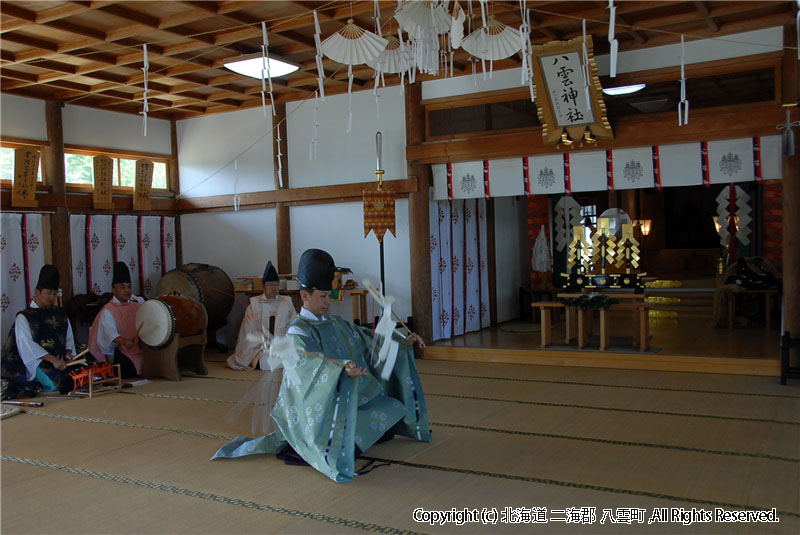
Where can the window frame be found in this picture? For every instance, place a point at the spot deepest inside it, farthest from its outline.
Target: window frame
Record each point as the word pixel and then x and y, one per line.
pixel 119 155
pixel 45 184
pixel 19 143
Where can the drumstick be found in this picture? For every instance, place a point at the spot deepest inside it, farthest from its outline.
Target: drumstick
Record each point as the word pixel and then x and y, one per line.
pixel 24 403
pixel 76 362
pixel 82 353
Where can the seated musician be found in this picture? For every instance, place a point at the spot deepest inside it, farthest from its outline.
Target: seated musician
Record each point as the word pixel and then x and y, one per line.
pixel 40 342
pixel 113 335
pixel 341 397
pixel 266 316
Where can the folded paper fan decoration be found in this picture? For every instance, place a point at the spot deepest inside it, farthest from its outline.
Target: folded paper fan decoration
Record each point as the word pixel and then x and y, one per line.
pixel 457 26
pixel 353 45
pixel 423 15
pixel 394 59
pixel 424 20
pixel 497 41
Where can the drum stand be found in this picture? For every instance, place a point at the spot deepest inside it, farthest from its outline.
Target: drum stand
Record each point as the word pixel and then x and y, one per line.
pixel 187 352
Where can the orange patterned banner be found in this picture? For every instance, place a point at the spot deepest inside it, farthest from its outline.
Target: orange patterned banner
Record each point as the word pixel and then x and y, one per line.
pixel 378 212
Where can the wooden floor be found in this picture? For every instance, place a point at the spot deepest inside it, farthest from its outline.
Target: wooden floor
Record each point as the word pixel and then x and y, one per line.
pixel 678 343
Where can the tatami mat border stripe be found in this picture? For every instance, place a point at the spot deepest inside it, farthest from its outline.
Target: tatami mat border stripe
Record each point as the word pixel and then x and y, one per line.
pixel 210 496
pixel 443 424
pixel 584 486
pixel 528 479
pixel 621 442
pixel 615 409
pixel 553 382
pixel 578 383
pixel 127 424
pixel 525 402
pixel 187 398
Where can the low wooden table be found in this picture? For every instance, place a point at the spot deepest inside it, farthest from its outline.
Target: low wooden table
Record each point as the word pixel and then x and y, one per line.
pixel 358 298
pixel 767 305
pixel 546 307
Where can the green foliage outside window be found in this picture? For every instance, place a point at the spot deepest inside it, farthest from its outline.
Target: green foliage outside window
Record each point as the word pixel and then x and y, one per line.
pixel 7 164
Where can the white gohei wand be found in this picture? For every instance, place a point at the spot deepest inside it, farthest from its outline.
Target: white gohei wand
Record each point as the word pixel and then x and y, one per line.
pixel 385 328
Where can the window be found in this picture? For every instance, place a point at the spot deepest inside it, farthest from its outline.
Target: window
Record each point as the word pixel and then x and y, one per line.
pixel 7 164
pixel 79 169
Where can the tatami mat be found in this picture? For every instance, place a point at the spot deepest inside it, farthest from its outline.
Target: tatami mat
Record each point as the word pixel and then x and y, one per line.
pixel 504 436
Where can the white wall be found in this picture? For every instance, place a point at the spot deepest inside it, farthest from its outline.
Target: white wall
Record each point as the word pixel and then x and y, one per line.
pixel 112 130
pixel 343 157
pixel 22 117
pixel 697 51
pixel 209 149
pixel 339 229
pixel 511 247
pixel 240 243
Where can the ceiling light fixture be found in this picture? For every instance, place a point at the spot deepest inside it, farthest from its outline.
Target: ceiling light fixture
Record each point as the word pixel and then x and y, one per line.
pixel 623 90
pixel 251 66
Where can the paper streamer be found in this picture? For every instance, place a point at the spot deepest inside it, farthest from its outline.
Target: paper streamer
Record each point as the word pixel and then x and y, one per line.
pixel 146 107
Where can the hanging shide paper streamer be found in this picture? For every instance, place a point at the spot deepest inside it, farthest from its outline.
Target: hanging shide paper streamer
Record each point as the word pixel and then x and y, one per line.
pixel 457 26
pixel 612 40
pixel 280 153
pixel 527 51
pixel 146 107
pixel 683 105
pixel 265 72
pixel 585 66
pixel 312 148
pixel 318 57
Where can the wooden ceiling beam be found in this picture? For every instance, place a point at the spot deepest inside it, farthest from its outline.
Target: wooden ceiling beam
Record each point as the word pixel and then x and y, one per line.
pixel 703 10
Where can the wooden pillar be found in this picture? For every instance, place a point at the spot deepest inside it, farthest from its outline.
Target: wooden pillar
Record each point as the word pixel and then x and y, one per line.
pixel 791 198
pixel 283 225
pixel 418 219
pixel 56 178
pixel 174 184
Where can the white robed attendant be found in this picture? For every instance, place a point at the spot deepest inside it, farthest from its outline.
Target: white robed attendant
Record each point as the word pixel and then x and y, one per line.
pixel 268 315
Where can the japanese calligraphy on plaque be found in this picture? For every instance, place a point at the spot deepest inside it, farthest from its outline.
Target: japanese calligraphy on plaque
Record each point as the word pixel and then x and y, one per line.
pixel 143 185
pixel 563 100
pixel 26 167
pixel 103 177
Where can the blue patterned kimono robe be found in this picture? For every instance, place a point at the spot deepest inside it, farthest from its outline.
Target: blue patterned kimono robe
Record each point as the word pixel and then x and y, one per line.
pixel 328 414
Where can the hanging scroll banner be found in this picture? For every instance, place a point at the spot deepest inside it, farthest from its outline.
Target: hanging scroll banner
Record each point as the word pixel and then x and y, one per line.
pixel 103 177
pixel 379 212
pixel 143 185
pixel 558 74
pixel 26 167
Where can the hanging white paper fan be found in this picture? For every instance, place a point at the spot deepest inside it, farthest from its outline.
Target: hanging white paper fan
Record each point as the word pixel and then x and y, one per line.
pixel 457 26
pixel 353 45
pixel 393 59
pixel 423 15
pixel 498 42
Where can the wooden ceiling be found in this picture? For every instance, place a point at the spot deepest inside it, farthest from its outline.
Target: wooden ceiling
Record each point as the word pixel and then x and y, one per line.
pixel 89 53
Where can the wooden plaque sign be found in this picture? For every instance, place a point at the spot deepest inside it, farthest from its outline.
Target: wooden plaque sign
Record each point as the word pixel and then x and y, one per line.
pixel 103 177
pixel 561 98
pixel 26 167
pixel 143 185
